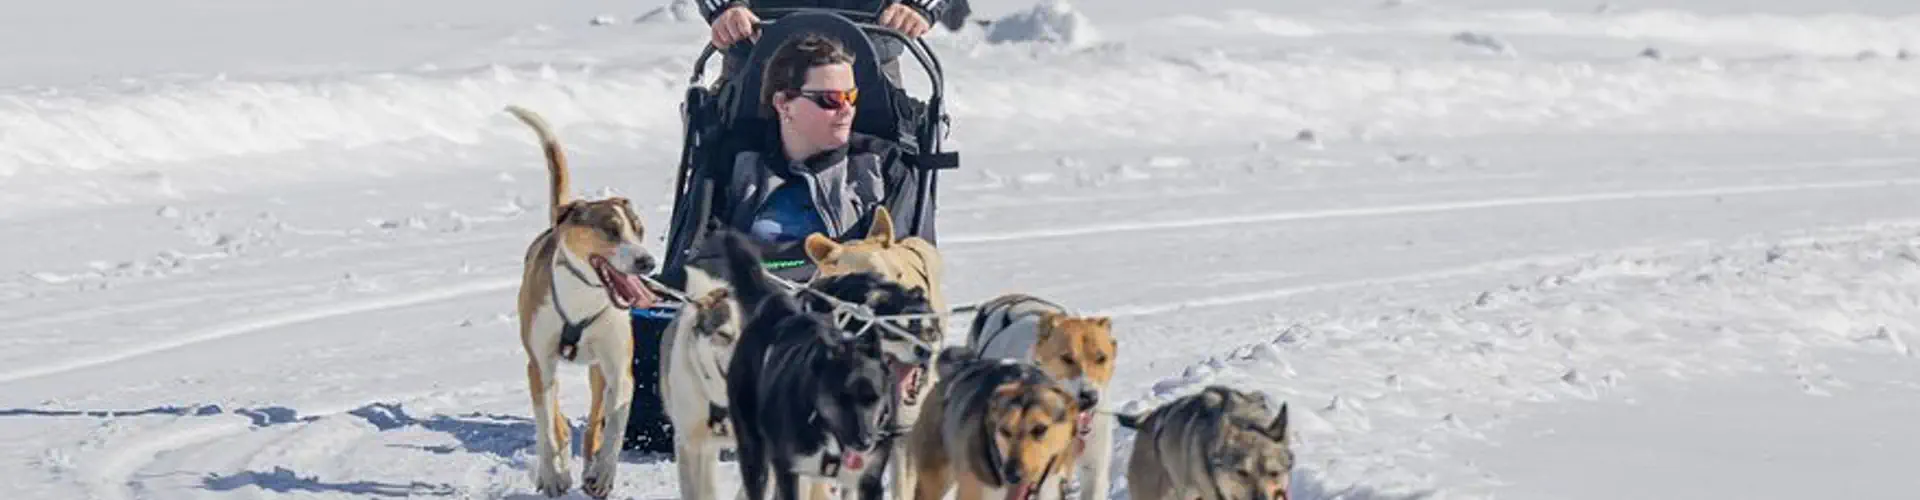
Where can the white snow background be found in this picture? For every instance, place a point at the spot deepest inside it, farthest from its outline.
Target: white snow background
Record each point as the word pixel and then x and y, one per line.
pixel 1483 248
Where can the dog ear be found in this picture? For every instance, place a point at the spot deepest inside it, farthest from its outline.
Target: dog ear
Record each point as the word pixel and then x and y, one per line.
pixel 1103 322
pixel 882 229
pixel 1049 324
pixel 820 248
pixel 1278 428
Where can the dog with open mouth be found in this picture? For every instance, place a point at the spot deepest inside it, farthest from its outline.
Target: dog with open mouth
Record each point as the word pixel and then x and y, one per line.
pixel 810 399
pixel 911 262
pixel 1219 443
pixel 998 428
pixel 582 274
pixel 698 347
pixel 1078 349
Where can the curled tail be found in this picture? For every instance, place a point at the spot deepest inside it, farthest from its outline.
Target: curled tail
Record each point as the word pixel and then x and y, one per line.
pixel 557 181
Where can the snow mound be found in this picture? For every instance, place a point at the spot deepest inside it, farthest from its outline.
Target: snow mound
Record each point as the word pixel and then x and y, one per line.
pixel 680 11
pixel 1827 35
pixel 92 129
pixel 1051 21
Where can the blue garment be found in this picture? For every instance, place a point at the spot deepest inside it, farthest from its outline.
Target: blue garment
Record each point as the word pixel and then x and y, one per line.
pixel 787 216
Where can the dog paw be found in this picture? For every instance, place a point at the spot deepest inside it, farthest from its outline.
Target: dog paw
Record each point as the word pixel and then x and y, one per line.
pixel 596 479
pixel 552 480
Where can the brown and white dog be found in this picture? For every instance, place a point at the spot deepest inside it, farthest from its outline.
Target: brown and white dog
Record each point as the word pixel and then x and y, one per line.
pixel 1079 350
pixel 914 263
pixel 582 275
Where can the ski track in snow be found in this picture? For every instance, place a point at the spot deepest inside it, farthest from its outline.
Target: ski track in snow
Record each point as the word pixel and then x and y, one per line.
pixel 1420 208
pixel 267 323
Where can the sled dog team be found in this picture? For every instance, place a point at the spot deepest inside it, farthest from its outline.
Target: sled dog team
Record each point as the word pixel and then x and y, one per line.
pixel 845 381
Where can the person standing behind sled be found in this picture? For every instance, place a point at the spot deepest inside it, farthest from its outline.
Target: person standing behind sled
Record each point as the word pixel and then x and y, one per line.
pixel 733 21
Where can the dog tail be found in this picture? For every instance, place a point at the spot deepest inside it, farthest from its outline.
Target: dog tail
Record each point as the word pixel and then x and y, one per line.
pixel 743 268
pixel 556 161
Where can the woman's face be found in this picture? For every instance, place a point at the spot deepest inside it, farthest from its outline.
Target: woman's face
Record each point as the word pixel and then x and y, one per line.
pixel 822 112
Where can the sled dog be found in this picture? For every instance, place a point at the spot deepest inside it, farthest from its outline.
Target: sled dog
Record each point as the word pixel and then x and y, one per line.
pixel 916 264
pixel 693 373
pixel 1078 350
pixel 809 399
pixel 1217 443
pixel 998 428
pixel 695 350
pixel 582 275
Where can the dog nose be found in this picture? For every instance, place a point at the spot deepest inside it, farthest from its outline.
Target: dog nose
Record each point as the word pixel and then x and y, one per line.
pixel 922 353
pixel 1012 474
pixel 1089 399
pixel 646 263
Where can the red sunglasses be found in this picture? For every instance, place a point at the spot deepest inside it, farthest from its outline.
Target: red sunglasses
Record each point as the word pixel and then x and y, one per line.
pixel 832 99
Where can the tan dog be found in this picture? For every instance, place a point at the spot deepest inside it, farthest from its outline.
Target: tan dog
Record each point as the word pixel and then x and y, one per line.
pixel 1218 443
pixel 582 274
pixel 1079 351
pixel 912 262
pixel 1000 429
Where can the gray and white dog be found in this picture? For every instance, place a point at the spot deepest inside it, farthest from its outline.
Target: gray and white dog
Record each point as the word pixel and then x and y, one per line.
pixel 1216 444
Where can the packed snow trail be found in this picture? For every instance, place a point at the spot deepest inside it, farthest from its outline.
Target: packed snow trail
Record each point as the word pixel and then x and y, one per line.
pixel 285 268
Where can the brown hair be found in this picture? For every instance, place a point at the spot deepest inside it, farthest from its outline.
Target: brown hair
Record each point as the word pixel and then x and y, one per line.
pixel 787 69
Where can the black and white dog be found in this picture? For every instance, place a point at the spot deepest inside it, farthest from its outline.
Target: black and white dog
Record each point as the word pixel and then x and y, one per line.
pixel 809 398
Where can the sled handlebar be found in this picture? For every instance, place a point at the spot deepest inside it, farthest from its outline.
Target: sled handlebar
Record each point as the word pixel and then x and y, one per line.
pixel 868 22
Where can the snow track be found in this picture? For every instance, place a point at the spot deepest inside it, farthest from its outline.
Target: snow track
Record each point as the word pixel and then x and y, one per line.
pixel 267 323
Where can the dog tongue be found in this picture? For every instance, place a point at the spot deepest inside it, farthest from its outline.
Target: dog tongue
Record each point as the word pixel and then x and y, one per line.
pixel 1020 492
pixel 856 461
pixel 630 288
pixel 912 378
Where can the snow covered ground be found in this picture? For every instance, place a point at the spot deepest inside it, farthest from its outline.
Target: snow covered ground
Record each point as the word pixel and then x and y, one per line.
pixel 1562 249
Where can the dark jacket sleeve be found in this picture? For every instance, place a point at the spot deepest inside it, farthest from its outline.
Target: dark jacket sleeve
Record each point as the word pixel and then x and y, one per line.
pixel 711 9
pixel 951 13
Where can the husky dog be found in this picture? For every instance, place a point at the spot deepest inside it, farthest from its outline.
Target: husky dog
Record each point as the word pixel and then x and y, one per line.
pixel 916 264
pixel 695 350
pixel 1219 443
pixel 999 428
pixel 582 274
pixel 698 346
pixel 809 399
pixel 1078 350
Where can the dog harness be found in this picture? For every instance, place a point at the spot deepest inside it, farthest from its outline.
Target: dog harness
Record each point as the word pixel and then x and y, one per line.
pixel 570 332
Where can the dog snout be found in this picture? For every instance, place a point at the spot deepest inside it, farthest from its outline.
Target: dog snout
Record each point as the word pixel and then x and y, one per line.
pixel 1011 473
pixel 645 263
pixel 1089 399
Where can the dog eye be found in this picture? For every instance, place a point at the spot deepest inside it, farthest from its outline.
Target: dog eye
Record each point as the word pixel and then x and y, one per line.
pixel 1039 431
pixel 1068 359
pixel 1100 359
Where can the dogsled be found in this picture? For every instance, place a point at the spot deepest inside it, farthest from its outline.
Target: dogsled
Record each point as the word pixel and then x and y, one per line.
pixel 724 121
